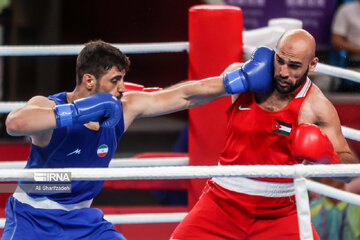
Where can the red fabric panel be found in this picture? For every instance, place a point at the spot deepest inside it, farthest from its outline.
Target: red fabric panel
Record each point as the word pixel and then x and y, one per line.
pixel 147 184
pixel 215 41
pixel 160 154
pixel 349 117
pixel 14 151
pixel 151 184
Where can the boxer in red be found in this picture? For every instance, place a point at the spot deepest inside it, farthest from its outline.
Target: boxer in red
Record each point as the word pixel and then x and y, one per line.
pixel 290 122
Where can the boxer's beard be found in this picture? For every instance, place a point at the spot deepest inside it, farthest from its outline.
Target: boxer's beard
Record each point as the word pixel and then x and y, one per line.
pixel 120 96
pixel 97 90
pixel 292 86
pixel 97 86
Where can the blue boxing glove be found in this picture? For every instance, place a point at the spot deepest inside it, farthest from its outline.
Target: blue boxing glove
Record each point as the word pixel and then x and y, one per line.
pixel 102 107
pixel 255 75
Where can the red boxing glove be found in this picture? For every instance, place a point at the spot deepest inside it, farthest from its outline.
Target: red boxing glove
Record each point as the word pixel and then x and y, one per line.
pixel 129 86
pixel 311 144
pixel 152 89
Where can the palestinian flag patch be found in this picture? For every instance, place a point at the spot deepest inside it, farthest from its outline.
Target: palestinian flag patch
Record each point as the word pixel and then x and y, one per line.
pixel 282 127
pixel 102 150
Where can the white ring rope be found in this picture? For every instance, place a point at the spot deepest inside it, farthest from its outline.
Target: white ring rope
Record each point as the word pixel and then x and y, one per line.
pixel 134 48
pixel 324 68
pixel 333 192
pixel 145 218
pixel 187 172
pixel 303 209
pixel 137 218
pixel 118 162
pixel 351 133
pixel 184 161
pixel 6 107
pixel 300 170
pixel 64 50
pixel 338 72
pixel 177 217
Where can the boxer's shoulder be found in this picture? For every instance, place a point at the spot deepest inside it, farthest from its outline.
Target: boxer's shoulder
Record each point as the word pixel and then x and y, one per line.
pixel 315 107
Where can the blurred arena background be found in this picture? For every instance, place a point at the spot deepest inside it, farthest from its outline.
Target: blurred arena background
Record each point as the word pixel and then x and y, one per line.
pixel 46 22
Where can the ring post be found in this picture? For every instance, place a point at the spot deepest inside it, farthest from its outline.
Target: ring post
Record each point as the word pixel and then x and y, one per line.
pixel 215 41
pixel 303 209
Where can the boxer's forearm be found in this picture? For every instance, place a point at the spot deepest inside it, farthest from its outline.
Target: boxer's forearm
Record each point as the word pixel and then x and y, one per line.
pixel 30 120
pixel 176 98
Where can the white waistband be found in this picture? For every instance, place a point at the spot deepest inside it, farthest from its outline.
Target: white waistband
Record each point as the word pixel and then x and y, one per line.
pixel 256 187
pixel 46 203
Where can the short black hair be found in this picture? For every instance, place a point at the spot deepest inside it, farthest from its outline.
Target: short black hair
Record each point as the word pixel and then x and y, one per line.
pixel 97 57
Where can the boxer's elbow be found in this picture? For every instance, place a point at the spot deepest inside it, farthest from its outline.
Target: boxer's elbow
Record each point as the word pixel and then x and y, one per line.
pixel 14 125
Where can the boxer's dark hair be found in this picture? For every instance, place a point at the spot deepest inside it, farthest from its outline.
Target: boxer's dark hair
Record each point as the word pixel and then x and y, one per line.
pixel 97 57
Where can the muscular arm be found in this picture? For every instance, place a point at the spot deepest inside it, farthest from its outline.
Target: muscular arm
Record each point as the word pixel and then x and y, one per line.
pixel 182 96
pixel 35 119
pixel 255 75
pixel 318 110
pixel 340 42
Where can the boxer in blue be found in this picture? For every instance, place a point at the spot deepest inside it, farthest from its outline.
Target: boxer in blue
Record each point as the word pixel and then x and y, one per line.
pixel 82 128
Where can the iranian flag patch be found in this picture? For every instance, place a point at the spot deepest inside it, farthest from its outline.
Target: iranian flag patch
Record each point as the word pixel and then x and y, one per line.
pixel 102 150
pixel 282 127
